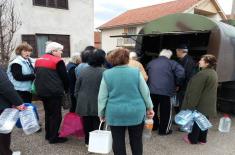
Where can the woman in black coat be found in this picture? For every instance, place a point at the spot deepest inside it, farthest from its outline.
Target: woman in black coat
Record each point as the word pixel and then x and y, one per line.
pixel 8 98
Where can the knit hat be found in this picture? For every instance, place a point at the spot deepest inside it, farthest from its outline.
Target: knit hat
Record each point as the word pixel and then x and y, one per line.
pixel 52 46
pixel 183 47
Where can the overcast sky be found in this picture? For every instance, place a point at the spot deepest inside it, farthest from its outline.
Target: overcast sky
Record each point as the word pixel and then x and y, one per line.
pixel 105 10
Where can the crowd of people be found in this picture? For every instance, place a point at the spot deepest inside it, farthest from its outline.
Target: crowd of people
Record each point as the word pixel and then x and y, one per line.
pixel 112 87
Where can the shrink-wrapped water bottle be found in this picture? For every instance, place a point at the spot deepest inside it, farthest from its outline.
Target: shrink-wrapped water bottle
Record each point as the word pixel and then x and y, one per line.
pixel 8 120
pixel 29 121
pixel 202 121
pixel 183 117
pixel 148 126
pixel 224 123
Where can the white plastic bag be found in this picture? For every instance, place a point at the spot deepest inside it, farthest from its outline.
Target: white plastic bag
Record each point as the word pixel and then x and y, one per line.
pixel 100 141
pixel 29 121
pixel 8 120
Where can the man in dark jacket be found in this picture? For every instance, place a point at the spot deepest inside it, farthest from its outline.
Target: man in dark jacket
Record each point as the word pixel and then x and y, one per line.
pixel 8 98
pixel 51 82
pixel 190 69
pixel 164 76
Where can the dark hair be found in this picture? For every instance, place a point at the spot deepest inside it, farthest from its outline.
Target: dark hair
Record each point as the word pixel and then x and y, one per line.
pixel 89 48
pixel 85 55
pixel 23 46
pixel 97 58
pixel 118 57
pixel 210 59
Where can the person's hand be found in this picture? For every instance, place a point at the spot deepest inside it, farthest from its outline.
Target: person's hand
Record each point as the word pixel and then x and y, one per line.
pixel 150 113
pixel 102 119
pixel 177 88
pixel 21 107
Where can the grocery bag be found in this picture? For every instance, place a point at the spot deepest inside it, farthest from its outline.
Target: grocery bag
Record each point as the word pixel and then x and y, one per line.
pixel 100 141
pixel 8 120
pixel 29 121
pixel 72 125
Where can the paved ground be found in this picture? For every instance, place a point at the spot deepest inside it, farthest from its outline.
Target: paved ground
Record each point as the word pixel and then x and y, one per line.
pixel 218 143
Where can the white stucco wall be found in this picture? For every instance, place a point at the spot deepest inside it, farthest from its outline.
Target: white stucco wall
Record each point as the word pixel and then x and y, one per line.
pixel 77 21
pixel 108 43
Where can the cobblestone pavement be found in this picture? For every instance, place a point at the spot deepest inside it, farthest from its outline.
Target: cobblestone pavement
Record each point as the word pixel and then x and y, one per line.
pixel 218 143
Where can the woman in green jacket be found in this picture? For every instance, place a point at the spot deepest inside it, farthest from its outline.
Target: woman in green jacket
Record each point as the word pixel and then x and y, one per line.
pixel 201 95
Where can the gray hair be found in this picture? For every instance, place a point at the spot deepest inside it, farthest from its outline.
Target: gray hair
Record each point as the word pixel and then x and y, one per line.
pixel 75 59
pixel 167 53
pixel 133 56
pixel 53 46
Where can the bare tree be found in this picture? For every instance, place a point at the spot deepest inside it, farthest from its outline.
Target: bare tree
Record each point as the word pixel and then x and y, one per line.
pixel 9 24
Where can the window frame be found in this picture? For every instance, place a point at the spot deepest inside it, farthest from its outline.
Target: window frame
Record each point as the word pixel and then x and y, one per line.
pixel 56 5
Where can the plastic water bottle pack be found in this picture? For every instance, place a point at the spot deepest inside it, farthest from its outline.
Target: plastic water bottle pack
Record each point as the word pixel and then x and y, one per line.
pixel 29 121
pixel 8 120
pixel 202 121
pixel 183 117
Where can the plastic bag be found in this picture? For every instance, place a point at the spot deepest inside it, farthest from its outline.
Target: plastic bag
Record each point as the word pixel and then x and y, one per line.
pixel 72 125
pixel 18 124
pixel 29 121
pixel 174 101
pixel 33 88
pixel 100 141
pixel 8 120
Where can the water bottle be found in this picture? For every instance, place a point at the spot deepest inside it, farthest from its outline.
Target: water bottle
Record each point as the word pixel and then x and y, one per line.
pixel 202 121
pixel 29 121
pixel 8 120
pixel 224 123
pixel 148 126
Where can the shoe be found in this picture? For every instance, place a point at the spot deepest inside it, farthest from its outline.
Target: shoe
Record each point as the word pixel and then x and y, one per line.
pixel 58 140
pixel 16 153
pixel 186 140
pixel 164 134
pixel 203 143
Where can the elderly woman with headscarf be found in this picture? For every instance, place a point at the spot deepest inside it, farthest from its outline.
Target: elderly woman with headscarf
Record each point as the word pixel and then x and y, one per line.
pixel 51 82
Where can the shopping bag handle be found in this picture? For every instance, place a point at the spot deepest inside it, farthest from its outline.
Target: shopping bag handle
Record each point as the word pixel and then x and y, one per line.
pixel 106 128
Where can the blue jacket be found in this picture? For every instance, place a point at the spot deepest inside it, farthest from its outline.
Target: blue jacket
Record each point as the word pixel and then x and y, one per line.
pixel 164 75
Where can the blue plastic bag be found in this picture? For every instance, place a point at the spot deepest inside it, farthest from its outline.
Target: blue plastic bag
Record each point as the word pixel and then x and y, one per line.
pixel 18 124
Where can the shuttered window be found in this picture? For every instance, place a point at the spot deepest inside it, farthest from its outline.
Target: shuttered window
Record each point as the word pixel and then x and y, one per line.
pixel 61 4
pixel 30 39
pixel 38 42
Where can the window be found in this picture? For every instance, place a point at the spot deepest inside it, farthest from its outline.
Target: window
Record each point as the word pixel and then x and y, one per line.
pixel 129 31
pixel 61 4
pixel 38 42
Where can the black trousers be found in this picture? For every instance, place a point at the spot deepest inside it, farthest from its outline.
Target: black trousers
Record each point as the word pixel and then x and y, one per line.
pixel 5 143
pixel 90 123
pixel 164 124
pixel 26 96
pixel 197 135
pixel 74 103
pixel 135 137
pixel 53 116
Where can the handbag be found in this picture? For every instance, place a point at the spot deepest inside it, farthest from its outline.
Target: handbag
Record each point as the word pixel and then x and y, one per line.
pixel 100 141
pixel 72 125
pixel 8 120
pixel 66 101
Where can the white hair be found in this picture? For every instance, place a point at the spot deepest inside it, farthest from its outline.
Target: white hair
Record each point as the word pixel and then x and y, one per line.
pixel 133 55
pixel 167 53
pixel 53 46
pixel 75 59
